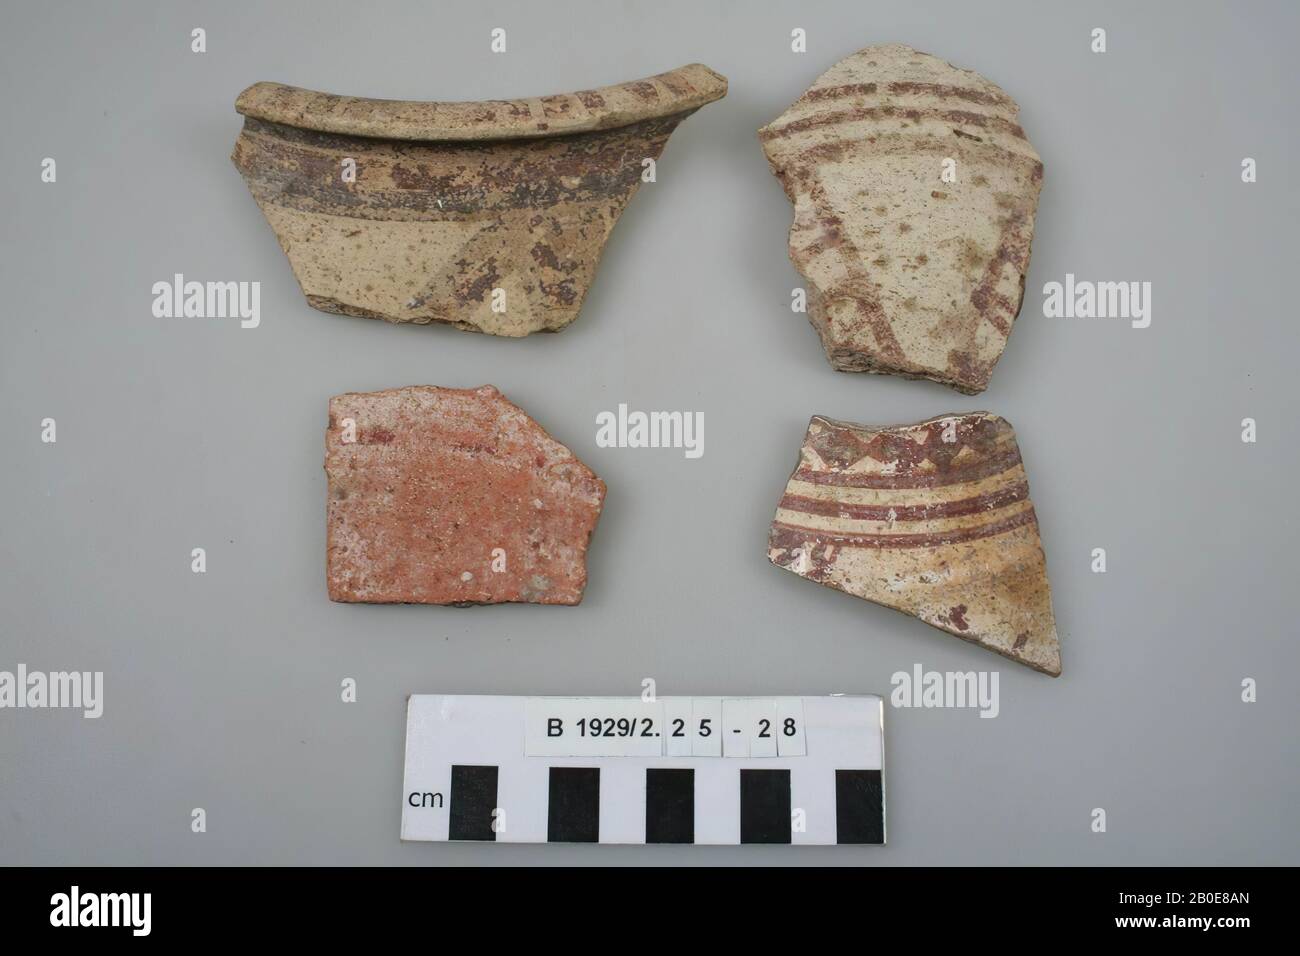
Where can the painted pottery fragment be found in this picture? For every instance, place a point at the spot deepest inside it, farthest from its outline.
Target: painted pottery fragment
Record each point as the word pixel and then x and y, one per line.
pixel 933 520
pixel 489 216
pixel 453 496
pixel 908 273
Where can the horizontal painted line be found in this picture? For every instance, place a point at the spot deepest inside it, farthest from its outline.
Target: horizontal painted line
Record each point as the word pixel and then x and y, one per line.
pixel 939 539
pixel 924 512
pixel 939 479
pixel 938 90
pixel 876 113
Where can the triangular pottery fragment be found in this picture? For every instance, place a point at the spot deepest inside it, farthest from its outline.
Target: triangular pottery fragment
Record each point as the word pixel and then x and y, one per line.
pixel 914 192
pixel 932 519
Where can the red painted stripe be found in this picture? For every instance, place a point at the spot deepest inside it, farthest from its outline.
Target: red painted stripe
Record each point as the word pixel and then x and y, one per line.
pixel 940 509
pixel 820 539
pixel 946 90
pixel 958 476
pixel 938 90
pixel 876 113
pixel 836 92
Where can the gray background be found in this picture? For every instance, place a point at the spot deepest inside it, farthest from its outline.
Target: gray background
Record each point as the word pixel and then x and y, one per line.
pixel 222 690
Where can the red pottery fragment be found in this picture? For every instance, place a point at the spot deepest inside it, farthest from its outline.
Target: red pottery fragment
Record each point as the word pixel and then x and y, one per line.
pixel 453 496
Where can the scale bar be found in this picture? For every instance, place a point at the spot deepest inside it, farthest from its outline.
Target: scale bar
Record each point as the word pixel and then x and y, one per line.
pixel 811 771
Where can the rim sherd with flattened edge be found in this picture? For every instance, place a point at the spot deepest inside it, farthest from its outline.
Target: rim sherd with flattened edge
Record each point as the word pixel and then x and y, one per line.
pixel 490 216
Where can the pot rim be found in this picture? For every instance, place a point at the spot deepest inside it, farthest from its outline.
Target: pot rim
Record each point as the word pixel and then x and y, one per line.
pixel 678 91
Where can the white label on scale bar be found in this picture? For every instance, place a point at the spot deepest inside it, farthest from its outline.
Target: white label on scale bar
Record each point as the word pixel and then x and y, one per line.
pixel 803 770
pixel 593 727
pixel 671 727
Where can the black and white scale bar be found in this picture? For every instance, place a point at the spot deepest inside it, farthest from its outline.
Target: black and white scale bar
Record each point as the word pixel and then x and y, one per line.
pixel 573 805
pixel 469 778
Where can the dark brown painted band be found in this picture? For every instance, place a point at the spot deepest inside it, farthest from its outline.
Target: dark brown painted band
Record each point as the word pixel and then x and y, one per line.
pixel 857 114
pixel 989 501
pixel 956 476
pixel 300 170
pixel 820 538
pixel 943 90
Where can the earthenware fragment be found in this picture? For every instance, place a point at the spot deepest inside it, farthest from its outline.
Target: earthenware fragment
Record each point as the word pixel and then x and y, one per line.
pixel 490 216
pixel 932 519
pixel 453 496
pixel 914 192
